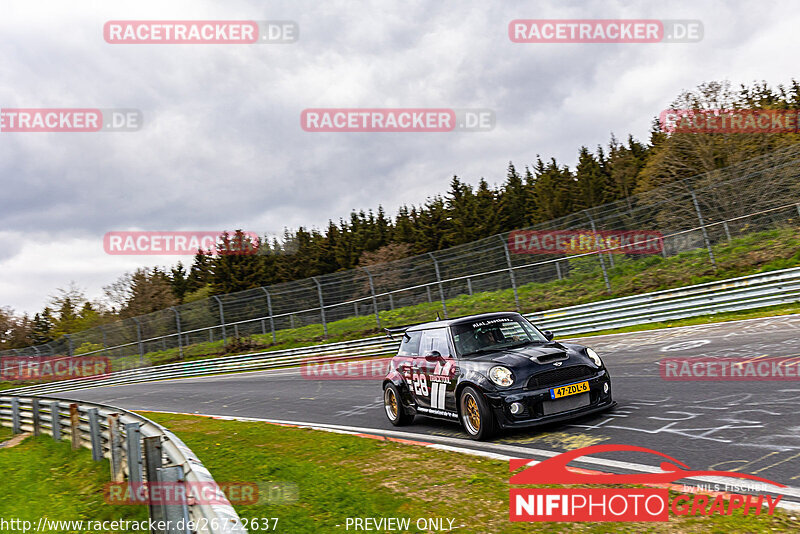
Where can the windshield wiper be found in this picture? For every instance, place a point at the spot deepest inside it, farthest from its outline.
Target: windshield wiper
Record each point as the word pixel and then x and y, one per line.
pixel 480 351
pixel 518 345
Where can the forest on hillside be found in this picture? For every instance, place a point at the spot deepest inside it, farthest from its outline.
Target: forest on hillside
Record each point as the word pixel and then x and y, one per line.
pixel 521 195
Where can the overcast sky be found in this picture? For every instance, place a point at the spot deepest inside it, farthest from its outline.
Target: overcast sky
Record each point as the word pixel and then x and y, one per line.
pixel 222 147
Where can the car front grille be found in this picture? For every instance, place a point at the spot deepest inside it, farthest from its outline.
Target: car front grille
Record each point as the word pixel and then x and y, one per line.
pixel 560 376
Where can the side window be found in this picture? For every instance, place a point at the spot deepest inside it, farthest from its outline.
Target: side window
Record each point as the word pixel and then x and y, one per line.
pixel 435 340
pixel 410 344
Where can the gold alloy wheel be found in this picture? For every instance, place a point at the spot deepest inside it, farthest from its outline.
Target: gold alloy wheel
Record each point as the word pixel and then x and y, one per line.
pixel 473 415
pixel 390 401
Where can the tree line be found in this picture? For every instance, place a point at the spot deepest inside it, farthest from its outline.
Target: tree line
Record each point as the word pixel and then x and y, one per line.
pixel 526 195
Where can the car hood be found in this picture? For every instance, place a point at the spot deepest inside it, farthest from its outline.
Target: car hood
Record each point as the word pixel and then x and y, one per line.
pixel 524 356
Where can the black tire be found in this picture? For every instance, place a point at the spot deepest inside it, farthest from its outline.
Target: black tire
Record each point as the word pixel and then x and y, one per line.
pixel 394 410
pixel 475 414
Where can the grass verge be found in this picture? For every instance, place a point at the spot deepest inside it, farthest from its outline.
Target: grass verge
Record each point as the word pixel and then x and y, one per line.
pixel 339 476
pixel 42 478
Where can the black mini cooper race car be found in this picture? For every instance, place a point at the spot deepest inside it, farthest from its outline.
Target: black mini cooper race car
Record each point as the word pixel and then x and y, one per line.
pixel 492 371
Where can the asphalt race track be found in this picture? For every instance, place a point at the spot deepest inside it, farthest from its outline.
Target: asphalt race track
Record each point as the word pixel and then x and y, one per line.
pixel 752 426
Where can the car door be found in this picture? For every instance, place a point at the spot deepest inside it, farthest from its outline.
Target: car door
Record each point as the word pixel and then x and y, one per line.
pixel 437 373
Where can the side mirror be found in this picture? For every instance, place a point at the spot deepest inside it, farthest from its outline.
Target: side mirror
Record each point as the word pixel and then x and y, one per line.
pixel 549 335
pixel 433 356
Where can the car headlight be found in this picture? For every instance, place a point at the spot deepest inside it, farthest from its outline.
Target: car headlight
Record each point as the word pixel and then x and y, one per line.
pixel 594 357
pixel 501 376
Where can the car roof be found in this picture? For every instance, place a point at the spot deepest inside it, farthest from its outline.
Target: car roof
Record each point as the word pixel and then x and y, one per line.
pixel 460 320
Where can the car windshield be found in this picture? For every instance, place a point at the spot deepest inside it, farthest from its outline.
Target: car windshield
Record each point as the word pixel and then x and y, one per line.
pixel 494 334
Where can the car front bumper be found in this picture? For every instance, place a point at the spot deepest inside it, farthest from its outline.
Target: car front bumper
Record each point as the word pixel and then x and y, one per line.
pixel 536 410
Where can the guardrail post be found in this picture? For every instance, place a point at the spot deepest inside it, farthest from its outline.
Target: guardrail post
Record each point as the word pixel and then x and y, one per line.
pixel 271 316
pixel 469 286
pixel 152 466
pixel 438 281
pixel 69 345
pixel 133 437
pixel 16 428
pixel 391 301
pixel 703 227
pixel 175 514
pixel 510 271
pixel 37 417
pixel 178 325
pixel 321 306
pixel 55 420
pixel 599 253
pixel 428 289
pixel 139 340
pixel 115 448
pixel 94 433
pixel 221 318
pixel 374 298
pixel 74 425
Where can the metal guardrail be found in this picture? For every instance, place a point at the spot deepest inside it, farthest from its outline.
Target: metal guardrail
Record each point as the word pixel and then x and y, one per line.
pixel 742 293
pixel 139 450
pixel 691 214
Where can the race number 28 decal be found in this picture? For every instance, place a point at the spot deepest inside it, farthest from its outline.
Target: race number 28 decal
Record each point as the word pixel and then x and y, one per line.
pixel 420 384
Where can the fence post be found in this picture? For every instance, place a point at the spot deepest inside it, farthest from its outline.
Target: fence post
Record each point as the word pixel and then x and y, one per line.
pixel 727 231
pixel 269 310
pixel 103 332
pixel 55 420
pixel 438 281
pixel 178 325
pixel 558 270
pixel 321 306
pixel 37 417
pixel 69 345
pixel 469 286
pixel 16 427
pixel 391 301
pixel 115 448
pixel 175 514
pixel 374 298
pixel 74 424
pixel 703 227
pixel 510 271
pixel 134 446
pixel 94 433
pixel 221 318
pixel 599 253
pixel 152 466
pixel 139 340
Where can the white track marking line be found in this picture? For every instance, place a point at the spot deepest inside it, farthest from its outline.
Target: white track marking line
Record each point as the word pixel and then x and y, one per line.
pixel 462 446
